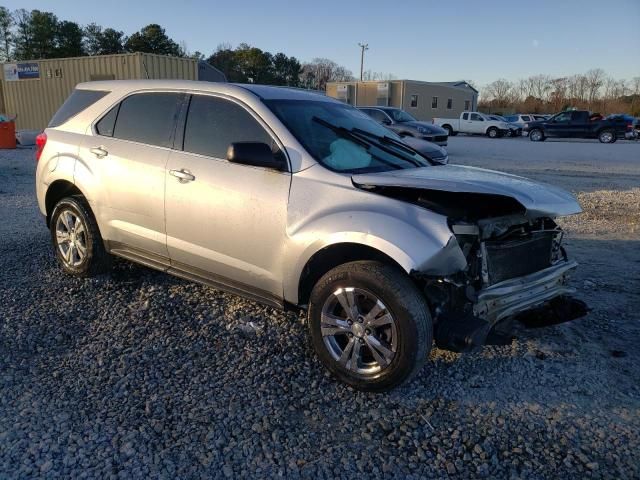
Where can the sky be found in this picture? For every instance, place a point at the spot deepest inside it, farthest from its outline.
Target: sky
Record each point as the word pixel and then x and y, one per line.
pixel 421 40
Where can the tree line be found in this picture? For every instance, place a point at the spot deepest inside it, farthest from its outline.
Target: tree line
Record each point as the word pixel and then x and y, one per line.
pixel 35 34
pixel 593 90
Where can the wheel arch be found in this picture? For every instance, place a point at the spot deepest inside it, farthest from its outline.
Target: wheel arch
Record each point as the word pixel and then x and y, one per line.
pixel 56 192
pixel 332 256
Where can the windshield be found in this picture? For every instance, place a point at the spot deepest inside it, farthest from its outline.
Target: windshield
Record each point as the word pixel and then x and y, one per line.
pixel 400 116
pixel 343 138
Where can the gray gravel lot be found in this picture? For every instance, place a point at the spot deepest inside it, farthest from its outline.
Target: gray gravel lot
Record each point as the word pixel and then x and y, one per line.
pixel 138 374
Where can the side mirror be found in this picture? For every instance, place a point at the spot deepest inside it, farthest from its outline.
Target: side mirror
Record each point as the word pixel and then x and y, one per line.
pixel 256 154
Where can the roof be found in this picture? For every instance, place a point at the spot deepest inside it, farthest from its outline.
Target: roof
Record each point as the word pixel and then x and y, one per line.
pixel 265 92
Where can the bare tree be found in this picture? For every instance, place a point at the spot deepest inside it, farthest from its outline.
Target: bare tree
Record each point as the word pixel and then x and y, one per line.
pixel 499 92
pixel 595 79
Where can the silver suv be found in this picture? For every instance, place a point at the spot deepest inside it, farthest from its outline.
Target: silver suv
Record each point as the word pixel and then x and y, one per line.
pixel 297 200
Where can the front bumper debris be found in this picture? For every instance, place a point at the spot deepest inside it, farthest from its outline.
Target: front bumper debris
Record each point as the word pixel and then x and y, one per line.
pixel 536 300
pixel 514 296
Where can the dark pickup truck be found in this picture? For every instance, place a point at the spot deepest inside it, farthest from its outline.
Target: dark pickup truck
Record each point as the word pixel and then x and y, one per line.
pixel 577 124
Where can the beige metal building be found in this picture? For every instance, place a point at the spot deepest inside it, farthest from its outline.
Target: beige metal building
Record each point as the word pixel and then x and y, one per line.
pixel 423 100
pixel 35 89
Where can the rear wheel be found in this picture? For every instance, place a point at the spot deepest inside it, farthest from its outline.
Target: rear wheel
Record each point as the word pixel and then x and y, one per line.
pixel 76 239
pixel 536 135
pixel 369 325
pixel 607 136
pixel 449 130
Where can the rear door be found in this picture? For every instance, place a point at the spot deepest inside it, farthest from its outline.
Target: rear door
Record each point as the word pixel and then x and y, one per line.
pixel 579 125
pixel 226 222
pixel 128 152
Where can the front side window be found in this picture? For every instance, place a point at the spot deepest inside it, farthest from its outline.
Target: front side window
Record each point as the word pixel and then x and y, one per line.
pixel 434 102
pixel 148 118
pixel 215 123
pixel 377 115
pixel 414 101
pixel 563 117
pixel 512 118
pixel 526 118
pixel 449 103
pixel 400 116
pixel 343 138
pixel 476 117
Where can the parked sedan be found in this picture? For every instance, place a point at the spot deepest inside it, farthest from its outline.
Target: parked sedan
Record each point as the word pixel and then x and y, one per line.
pixel 407 126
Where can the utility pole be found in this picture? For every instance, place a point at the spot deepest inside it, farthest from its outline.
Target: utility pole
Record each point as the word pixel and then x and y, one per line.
pixel 363 46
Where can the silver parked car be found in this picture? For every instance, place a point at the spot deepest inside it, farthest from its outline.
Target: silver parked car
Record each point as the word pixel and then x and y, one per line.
pixel 300 201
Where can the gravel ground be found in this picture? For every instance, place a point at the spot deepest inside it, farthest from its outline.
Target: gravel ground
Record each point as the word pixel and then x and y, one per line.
pixel 138 374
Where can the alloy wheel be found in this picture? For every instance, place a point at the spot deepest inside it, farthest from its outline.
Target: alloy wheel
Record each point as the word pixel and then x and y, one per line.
pixel 359 331
pixel 71 238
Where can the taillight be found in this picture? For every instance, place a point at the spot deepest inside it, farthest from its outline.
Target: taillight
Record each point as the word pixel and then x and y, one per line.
pixel 41 141
pixel 629 126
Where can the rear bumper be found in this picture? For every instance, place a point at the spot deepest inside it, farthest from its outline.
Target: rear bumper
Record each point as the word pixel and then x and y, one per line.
pixel 517 295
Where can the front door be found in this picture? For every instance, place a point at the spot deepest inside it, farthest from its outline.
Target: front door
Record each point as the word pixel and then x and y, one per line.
pixel 225 221
pixel 476 124
pixel 558 126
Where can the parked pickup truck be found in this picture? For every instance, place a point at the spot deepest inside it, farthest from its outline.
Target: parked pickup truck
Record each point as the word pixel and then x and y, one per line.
pixel 578 124
pixel 474 123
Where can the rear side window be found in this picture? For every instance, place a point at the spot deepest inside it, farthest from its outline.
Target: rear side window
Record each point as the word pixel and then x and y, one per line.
pixel 214 123
pixel 78 101
pixel 147 118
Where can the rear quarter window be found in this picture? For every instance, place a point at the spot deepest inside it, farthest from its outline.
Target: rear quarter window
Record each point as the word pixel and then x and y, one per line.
pixel 78 101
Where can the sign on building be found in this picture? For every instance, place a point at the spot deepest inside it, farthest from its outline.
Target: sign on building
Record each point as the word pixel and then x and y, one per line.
pixel 21 71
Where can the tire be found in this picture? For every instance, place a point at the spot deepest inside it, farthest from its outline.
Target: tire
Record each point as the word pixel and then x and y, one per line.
pixel 493 132
pixel 607 136
pixel 536 135
pixel 406 328
pixel 449 130
pixel 83 255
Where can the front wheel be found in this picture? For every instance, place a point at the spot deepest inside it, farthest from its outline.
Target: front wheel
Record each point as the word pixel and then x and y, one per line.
pixel 369 325
pixel 76 239
pixel 493 132
pixel 536 135
pixel 607 136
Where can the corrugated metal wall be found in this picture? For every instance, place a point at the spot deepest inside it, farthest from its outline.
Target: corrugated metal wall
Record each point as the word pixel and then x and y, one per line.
pixel 36 100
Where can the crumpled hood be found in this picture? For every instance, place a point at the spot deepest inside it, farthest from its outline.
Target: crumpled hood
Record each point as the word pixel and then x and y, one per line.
pixel 431 128
pixel 539 199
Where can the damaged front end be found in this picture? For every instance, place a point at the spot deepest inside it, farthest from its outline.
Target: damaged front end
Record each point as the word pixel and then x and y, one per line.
pixel 516 267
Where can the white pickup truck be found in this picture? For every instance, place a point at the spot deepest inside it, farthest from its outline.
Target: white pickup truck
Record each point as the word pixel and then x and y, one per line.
pixel 474 123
